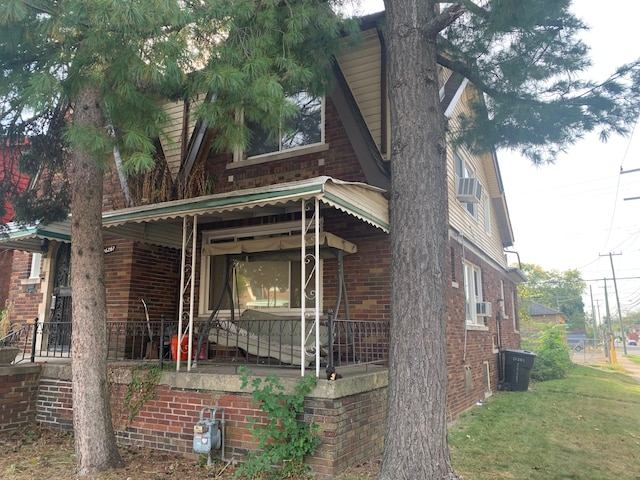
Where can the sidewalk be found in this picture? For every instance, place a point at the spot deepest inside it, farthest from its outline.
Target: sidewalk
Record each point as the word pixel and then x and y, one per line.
pixel 597 357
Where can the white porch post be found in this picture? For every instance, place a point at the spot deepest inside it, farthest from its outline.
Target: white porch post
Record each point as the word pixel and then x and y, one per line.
pixel 317 284
pixel 183 261
pixel 303 281
pixel 186 280
pixel 194 238
pixel 304 257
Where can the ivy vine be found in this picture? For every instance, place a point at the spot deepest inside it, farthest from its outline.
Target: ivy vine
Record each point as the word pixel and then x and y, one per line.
pixel 142 388
pixel 284 441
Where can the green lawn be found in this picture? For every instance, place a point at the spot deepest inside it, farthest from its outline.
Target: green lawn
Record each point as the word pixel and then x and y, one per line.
pixel 586 426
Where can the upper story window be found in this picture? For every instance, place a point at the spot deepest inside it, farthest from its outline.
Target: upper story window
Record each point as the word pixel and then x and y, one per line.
pixel 464 170
pixel 302 130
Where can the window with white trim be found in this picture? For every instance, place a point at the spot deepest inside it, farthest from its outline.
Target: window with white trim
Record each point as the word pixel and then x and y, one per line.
pixel 271 281
pixel 303 129
pixel 464 170
pixel 472 293
pixel 487 215
pixel 36 259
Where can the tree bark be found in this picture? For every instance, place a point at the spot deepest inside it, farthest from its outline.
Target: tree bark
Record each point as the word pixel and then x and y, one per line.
pixel 96 448
pixel 416 430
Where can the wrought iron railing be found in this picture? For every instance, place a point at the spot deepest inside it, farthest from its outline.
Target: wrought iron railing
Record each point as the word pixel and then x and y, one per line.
pixel 270 341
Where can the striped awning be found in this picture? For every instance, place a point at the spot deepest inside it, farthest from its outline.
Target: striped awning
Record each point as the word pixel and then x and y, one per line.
pixel 161 223
pixel 30 238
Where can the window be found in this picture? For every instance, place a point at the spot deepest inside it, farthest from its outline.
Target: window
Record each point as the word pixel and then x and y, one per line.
pixel 267 281
pixel 34 272
pixel 472 293
pixel 303 129
pixel 487 216
pixel 464 170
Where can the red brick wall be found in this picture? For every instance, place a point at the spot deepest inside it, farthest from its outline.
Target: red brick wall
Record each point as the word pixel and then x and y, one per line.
pixel 467 349
pixel 136 271
pixel 352 426
pixel 18 393
pixel 24 298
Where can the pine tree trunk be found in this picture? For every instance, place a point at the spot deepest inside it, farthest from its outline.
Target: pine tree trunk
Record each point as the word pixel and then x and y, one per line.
pixel 416 432
pixel 96 447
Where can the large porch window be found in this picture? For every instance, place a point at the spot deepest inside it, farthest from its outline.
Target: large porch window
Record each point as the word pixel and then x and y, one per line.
pixel 269 280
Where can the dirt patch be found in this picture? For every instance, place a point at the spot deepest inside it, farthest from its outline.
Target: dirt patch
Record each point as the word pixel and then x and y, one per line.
pixel 36 453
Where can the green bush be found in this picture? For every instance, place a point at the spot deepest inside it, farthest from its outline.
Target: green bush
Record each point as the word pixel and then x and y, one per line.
pixel 284 441
pixel 553 359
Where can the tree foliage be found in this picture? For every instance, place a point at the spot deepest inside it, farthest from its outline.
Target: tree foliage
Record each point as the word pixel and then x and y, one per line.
pixel 82 79
pixel 560 290
pixel 247 55
pixel 528 61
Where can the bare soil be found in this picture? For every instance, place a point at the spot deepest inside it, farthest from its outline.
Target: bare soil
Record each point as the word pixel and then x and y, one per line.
pixel 36 453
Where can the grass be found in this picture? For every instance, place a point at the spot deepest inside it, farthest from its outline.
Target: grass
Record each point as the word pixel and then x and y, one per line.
pixel 634 358
pixel 584 426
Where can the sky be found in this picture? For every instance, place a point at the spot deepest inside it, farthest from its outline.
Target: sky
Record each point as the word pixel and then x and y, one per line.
pixel 573 214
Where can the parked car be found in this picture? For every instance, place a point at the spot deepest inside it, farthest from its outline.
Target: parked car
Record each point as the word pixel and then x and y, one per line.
pixel 577 341
pixel 633 342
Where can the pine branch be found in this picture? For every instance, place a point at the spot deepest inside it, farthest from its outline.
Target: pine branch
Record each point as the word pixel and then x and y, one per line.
pixel 444 19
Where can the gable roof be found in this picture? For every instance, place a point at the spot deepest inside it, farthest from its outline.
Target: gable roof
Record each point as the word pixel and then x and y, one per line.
pixel 539 310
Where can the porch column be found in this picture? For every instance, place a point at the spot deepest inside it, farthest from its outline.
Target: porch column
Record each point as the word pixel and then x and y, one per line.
pixel 304 259
pixel 187 269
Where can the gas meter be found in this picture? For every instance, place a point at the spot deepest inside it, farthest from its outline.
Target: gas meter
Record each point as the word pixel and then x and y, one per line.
pixel 208 433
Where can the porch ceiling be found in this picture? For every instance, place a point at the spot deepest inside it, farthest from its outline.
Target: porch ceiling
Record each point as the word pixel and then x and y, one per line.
pixel 161 223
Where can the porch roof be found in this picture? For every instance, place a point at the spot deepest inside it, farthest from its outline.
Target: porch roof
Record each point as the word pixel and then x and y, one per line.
pixel 30 238
pixel 161 223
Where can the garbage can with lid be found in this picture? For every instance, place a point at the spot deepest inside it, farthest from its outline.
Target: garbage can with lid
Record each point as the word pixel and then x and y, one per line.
pixel 517 369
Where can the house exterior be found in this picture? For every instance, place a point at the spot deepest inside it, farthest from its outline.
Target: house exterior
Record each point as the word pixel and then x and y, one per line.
pixel 305 220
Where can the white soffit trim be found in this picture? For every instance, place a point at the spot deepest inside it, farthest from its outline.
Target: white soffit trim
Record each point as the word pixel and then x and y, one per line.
pixel 456 98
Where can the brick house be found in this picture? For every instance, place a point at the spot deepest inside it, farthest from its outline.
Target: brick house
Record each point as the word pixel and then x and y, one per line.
pixel 320 194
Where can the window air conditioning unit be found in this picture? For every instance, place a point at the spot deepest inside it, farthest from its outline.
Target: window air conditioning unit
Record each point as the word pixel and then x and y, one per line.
pixel 469 190
pixel 483 309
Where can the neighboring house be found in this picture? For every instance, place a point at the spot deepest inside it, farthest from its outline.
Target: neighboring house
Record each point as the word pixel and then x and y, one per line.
pixel 542 314
pixel 8 170
pixel 270 206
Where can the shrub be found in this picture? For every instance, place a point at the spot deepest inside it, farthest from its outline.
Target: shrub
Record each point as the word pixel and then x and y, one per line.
pixel 284 441
pixel 553 359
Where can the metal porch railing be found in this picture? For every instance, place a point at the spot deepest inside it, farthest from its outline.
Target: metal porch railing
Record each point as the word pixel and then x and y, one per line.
pixel 271 341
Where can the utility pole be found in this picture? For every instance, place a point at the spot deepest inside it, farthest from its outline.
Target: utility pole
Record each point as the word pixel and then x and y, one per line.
pixel 593 312
pixel 612 350
pixel 615 287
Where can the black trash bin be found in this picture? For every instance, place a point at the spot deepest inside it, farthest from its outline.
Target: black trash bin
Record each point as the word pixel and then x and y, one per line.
pixel 517 369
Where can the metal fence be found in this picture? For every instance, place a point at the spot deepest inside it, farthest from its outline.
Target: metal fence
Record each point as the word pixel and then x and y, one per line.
pixel 269 341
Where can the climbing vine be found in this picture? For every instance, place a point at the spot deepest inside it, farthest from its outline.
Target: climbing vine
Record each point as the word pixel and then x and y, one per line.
pixel 284 441
pixel 141 388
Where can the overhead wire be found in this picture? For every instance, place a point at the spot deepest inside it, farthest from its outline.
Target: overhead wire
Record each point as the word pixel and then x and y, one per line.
pixel 615 202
